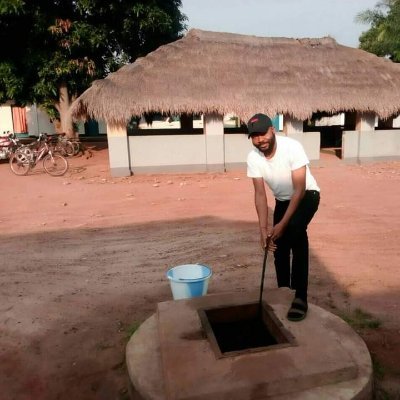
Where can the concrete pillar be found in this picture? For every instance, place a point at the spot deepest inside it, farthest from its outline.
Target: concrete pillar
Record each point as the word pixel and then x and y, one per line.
pixel 396 122
pixel 81 128
pixel 214 139
pixel 292 125
pixel 365 122
pixel 118 150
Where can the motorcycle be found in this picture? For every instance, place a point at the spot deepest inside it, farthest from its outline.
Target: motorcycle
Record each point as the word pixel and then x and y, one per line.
pixel 8 145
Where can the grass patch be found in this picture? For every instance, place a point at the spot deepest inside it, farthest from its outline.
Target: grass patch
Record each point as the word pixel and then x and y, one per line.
pixel 103 346
pixel 360 320
pixel 379 392
pixel 131 329
pixel 378 368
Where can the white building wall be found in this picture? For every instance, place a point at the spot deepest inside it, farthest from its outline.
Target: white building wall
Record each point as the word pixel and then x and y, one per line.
pixel 311 142
pixel 237 146
pixel 167 153
pixel 38 121
pixel 214 135
pixel 6 121
pixel 190 153
pixel 371 144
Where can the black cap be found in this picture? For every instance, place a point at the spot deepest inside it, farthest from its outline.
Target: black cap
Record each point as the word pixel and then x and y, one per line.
pixel 259 123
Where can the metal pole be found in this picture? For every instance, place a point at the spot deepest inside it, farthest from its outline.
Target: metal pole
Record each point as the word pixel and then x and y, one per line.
pixel 263 272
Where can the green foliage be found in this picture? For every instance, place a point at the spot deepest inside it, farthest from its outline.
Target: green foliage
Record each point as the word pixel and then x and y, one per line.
pixel 9 81
pixel 11 6
pixel 378 368
pixel 379 371
pixel 46 44
pixel 383 37
pixel 131 329
pixel 360 320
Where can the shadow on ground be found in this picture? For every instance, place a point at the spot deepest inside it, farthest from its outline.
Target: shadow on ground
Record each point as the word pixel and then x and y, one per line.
pixel 70 299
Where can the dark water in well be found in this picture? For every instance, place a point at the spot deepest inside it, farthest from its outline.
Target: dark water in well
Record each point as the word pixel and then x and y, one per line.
pixel 242 334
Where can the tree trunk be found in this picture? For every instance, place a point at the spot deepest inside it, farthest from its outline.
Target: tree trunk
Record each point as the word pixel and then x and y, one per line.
pixel 64 103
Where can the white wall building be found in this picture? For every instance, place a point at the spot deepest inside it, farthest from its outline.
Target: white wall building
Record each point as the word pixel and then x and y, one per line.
pixel 32 120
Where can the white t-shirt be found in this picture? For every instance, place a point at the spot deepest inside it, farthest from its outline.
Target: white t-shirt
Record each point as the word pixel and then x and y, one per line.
pixel 277 171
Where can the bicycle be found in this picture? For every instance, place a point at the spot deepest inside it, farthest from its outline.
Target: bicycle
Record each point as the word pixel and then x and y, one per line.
pixel 26 158
pixel 68 146
pixel 77 145
pixel 63 145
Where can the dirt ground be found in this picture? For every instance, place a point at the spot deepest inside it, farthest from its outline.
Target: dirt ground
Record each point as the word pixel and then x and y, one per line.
pixel 84 257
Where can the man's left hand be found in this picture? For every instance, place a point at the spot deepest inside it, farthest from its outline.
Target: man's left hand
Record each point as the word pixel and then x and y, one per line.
pixel 278 231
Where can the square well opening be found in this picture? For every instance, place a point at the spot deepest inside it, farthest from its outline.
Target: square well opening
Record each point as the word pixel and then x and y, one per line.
pixel 246 328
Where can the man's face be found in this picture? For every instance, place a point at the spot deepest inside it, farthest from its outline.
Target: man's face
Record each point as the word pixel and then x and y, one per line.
pixel 265 142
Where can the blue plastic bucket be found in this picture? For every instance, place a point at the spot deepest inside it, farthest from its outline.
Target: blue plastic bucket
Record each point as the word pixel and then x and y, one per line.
pixel 189 280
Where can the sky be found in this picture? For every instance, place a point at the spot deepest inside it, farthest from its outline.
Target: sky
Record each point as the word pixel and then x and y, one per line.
pixel 285 18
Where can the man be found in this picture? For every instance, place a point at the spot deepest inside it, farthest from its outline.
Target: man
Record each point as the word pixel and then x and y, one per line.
pixel 282 163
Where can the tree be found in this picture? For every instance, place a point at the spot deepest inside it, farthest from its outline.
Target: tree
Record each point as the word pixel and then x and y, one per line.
pixel 383 37
pixel 51 50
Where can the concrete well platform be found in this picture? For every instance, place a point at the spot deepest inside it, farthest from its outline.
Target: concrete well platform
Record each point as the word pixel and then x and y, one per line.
pixel 170 356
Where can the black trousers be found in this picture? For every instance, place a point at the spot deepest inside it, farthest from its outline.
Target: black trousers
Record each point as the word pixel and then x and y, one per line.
pixel 293 244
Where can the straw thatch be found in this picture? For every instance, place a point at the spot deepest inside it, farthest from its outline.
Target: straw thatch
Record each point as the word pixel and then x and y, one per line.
pixel 224 72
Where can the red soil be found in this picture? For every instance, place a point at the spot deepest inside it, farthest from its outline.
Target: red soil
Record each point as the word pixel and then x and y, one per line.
pixel 84 258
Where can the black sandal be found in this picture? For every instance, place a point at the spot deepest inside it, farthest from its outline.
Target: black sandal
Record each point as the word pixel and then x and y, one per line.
pixel 298 310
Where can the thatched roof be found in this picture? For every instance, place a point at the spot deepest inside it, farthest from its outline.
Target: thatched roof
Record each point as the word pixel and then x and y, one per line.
pixel 224 72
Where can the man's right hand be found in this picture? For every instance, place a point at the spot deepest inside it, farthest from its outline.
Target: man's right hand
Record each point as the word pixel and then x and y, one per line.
pixel 266 240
